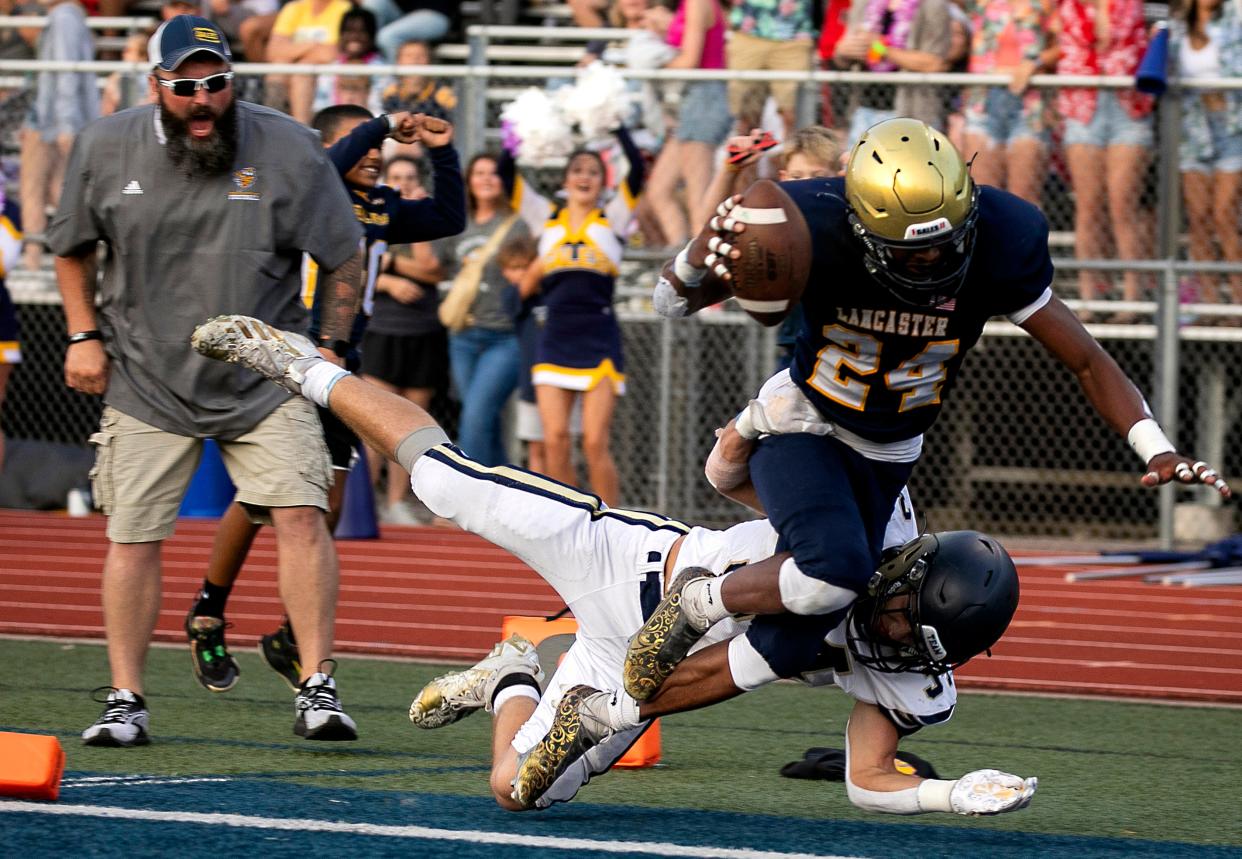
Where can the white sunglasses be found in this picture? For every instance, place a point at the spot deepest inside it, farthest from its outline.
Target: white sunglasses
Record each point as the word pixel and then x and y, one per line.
pixel 186 87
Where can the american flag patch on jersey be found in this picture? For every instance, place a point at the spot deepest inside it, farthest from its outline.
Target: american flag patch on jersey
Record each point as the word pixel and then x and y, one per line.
pixel 949 305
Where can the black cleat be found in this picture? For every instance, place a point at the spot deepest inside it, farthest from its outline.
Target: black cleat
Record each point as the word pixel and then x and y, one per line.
pixel 280 652
pixel 214 667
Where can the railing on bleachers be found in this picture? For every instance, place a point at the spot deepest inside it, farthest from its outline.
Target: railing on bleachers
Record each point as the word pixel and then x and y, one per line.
pixel 1032 466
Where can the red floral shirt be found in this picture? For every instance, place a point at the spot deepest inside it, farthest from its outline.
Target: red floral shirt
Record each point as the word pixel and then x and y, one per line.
pixel 1127 41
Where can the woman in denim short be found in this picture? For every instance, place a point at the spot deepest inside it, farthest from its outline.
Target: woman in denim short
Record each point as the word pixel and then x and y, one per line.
pixel 1209 45
pixel 697 29
pixel 1108 137
pixel 1005 126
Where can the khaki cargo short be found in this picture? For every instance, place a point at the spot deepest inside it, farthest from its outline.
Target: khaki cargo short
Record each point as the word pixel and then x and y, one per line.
pixel 141 473
pixel 746 53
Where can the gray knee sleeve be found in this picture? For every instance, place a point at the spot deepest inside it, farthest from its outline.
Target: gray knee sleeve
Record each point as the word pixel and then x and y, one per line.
pixel 417 443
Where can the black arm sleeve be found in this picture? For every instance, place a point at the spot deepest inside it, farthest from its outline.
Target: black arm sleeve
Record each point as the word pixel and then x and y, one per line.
pixel 438 216
pixel 348 151
pixel 638 167
pixel 506 166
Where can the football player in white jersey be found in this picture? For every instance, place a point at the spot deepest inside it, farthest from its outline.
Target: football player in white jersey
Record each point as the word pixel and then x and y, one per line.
pixel 940 600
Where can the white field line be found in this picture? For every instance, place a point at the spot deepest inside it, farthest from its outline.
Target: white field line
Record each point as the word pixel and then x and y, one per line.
pixel 128 781
pixel 649 848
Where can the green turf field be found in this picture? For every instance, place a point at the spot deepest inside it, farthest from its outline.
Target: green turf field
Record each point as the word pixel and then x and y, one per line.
pixel 1105 769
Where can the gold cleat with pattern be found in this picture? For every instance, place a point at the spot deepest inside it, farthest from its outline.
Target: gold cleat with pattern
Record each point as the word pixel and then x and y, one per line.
pixel 453 696
pixel 579 725
pixel 663 641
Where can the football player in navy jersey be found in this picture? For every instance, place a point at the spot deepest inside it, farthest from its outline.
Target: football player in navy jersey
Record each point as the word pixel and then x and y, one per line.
pixel 353 139
pixel 911 258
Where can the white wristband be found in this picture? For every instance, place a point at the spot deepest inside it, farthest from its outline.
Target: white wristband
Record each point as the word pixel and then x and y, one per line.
pixel 1148 440
pixel 392 121
pixel 689 275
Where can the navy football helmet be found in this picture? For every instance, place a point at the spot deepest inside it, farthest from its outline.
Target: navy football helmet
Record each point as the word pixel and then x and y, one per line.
pixel 962 590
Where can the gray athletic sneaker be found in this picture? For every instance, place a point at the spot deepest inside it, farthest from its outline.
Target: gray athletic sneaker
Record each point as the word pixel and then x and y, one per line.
pixel 281 356
pixel 580 724
pixel 124 721
pixel 664 640
pixel 455 695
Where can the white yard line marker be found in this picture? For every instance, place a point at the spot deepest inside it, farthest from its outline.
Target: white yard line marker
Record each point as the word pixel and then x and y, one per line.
pixel 421 832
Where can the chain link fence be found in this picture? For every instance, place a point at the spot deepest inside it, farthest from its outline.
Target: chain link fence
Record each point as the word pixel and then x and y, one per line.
pixel 1018 453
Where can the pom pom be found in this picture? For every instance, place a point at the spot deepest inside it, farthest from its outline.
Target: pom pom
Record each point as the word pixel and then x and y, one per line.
pixel 646 50
pixel 540 132
pixel 597 102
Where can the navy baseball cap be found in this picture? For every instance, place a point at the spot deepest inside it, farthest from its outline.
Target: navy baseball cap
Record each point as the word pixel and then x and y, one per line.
pixel 180 37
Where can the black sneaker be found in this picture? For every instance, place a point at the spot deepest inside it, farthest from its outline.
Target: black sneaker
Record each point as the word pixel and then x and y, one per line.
pixel 124 721
pixel 319 713
pixel 280 651
pixel 214 667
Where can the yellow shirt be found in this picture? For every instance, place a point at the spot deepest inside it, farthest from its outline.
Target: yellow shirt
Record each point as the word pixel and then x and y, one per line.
pixel 299 22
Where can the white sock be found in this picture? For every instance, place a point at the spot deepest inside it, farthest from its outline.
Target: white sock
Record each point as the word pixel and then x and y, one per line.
pixel 510 692
pixel 319 379
pixel 701 601
pixel 622 711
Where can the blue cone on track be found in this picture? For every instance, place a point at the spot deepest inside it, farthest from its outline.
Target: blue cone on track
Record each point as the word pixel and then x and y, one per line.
pixel 1153 72
pixel 358 520
pixel 210 491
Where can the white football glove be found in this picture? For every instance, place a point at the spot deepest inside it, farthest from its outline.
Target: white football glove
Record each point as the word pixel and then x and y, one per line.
pixel 780 413
pixel 991 792
pixel 666 300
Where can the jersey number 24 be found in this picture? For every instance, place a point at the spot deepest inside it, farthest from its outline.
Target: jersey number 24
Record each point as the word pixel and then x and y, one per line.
pixel 919 378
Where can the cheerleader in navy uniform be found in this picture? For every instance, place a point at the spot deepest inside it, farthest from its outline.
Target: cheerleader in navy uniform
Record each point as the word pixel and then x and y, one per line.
pixel 579 351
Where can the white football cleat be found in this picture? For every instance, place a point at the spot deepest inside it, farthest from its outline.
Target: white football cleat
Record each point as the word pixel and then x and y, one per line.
pixel 455 695
pixel 281 356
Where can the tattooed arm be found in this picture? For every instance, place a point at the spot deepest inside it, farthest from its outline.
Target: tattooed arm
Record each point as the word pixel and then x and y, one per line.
pixel 342 292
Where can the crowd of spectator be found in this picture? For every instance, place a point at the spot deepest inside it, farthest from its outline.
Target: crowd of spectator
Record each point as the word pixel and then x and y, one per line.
pixel 1092 145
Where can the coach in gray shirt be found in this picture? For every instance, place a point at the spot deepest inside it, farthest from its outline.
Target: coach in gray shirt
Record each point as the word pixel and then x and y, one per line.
pixel 206 205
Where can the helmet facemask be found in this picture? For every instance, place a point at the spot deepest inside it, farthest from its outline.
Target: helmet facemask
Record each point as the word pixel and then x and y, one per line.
pixel 923 652
pixel 915 285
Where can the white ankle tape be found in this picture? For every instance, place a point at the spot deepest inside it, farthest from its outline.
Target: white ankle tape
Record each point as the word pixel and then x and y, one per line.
pixel 319 381
pixel 623 712
pixel 702 600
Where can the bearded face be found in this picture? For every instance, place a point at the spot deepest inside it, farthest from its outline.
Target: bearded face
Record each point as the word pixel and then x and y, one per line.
pixel 200 129
pixel 209 155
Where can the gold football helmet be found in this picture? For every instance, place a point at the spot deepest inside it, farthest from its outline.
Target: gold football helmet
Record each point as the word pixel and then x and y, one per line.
pixel 914 208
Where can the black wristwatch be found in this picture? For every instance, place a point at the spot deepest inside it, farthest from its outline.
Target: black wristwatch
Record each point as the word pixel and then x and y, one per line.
pixel 81 336
pixel 340 348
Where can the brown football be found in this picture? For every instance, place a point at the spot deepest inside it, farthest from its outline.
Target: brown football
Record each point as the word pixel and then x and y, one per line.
pixel 772 271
